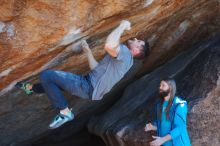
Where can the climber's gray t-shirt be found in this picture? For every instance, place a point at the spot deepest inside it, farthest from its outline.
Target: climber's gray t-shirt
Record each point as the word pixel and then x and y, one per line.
pixel 109 71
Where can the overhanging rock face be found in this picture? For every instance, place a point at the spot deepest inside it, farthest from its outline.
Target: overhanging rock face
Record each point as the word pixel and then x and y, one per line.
pixel 35 35
pixel 197 74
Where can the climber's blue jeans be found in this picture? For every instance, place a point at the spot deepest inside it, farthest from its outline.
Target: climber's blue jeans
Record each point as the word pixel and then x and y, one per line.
pixel 53 81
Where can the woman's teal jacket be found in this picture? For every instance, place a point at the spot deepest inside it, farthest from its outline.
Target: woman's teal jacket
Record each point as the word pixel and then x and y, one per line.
pixel 178 114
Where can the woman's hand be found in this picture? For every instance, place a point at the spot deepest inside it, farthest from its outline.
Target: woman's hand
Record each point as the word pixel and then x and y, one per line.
pixel 158 141
pixel 150 127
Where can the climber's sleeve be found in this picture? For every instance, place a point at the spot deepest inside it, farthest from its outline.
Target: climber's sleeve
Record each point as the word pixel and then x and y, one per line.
pixel 123 53
pixel 179 120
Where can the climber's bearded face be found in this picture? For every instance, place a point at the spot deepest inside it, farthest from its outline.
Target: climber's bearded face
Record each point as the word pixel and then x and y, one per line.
pixel 164 89
pixel 135 46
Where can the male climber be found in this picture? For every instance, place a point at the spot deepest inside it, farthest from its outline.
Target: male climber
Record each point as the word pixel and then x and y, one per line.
pixel 99 81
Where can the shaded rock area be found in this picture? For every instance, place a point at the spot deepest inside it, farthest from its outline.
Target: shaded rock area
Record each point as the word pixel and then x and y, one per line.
pixel 197 73
pixel 36 34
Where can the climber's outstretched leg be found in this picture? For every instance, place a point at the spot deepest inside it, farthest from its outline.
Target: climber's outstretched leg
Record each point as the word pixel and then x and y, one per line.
pixel 52 83
pixel 74 84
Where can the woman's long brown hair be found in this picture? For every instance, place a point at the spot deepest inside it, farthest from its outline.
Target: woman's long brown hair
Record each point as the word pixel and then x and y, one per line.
pixel 172 90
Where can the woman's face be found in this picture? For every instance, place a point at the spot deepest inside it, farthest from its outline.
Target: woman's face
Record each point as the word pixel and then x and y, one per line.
pixel 164 87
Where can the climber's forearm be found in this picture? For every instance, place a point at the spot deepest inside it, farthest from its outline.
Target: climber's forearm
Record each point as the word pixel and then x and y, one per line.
pixel 85 47
pixel 113 40
pixel 92 62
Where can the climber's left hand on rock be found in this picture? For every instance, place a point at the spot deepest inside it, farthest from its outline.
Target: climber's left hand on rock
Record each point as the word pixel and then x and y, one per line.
pixel 85 47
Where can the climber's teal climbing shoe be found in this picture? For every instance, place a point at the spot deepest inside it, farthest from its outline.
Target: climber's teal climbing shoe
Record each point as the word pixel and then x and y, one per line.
pixel 24 87
pixel 60 119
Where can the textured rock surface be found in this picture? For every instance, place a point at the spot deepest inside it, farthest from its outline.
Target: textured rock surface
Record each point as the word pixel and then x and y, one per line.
pixel 34 35
pixel 197 74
